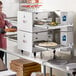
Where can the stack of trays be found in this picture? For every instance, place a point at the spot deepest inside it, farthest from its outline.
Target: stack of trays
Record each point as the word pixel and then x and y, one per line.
pixel 24 67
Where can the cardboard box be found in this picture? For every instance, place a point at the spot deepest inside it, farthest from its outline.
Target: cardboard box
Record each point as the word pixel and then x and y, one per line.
pixel 16 67
pixel 23 62
pixel 39 74
pixel 43 75
pixel 24 67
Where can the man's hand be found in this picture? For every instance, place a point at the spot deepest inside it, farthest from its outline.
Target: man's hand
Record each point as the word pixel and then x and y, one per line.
pixel 15 27
pixel 2 31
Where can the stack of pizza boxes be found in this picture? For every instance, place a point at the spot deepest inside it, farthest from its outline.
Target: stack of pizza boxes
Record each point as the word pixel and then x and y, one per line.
pixel 24 67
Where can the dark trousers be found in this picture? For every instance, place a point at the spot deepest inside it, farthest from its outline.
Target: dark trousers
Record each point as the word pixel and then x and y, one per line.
pixel 1 55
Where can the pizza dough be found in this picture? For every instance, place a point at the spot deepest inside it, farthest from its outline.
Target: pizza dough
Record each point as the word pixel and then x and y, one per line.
pixel 48 44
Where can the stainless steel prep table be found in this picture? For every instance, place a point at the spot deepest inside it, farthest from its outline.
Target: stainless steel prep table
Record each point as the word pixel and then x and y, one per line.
pixel 38 60
pixel 43 62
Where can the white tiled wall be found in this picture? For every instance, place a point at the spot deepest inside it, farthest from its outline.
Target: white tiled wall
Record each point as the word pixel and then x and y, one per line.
pixel 59 4
pixel 10 7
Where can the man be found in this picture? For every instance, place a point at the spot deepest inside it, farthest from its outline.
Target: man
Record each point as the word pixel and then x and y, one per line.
pixel 3 24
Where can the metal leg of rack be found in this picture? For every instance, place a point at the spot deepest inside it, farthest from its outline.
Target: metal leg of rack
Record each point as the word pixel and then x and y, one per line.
pixel 6 59
pixel 44 70
pixel 50 71
pixel 21 51
pixel 74 73
pixel 41 55
pixel 68 74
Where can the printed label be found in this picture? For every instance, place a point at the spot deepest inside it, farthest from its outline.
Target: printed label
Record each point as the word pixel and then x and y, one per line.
pixel 64 38
pixel 64 18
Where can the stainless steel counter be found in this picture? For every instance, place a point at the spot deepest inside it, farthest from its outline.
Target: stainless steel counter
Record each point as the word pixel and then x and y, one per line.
pixel 43 62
